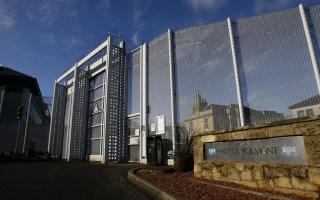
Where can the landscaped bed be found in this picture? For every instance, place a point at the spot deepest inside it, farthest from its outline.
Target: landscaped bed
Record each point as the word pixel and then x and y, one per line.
pixel 186 186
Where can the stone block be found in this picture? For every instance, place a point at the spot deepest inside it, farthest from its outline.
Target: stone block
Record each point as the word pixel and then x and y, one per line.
pixel 207 174
pixel 313 149
pixel 208 138
pixel 314 176
pixel 258 173
pixel 280 172
pixel 239 166
pixel 246 175
pixel 267 173
pixel 300 172
pixel 266 184
pixel 277 131
pixel 283 182
pixel 197 168
pixel 251 184
pixel 216 173
pixel 207 166
pixel 256 134
pixel 303 184
pixel 233 173
pixel 198 174
pixel 223 170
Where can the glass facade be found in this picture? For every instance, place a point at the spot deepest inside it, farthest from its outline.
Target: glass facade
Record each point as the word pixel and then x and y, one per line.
pixel 95 118
pixel 133 138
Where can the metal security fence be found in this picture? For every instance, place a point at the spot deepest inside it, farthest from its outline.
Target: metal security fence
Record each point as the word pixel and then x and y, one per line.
pixel 134 82
pixel 206 85
pixel 250 71
pixel 313 18
pixel 275 69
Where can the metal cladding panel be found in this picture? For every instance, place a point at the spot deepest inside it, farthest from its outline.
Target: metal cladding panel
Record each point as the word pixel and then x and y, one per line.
pixel 79 118
pixel 275 68
pixel 116 149
pixel 205 80
pixel 56 131
pixel 314 23
pixel 134 82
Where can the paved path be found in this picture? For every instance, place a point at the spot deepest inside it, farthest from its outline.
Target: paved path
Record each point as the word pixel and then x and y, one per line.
pixel 62 180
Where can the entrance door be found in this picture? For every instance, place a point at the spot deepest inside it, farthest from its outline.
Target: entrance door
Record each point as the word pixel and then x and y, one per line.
pixel 134 138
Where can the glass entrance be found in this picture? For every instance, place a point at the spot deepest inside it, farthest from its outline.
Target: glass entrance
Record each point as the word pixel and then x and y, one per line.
pixel 96 117
pixel 134 138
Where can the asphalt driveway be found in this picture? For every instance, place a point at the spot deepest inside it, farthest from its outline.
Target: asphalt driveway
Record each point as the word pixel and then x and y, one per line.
pixel 62 180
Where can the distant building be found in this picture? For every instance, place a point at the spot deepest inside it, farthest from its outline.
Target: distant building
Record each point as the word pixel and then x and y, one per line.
pixel 306 108
pixel 214 117
pixel 48 102
pixel 20 90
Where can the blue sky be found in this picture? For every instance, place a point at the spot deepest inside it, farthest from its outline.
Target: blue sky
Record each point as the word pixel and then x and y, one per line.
pixel 43 38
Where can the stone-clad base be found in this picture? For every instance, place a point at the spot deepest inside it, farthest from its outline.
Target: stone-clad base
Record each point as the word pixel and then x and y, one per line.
pixel 299 180
pixel 302 180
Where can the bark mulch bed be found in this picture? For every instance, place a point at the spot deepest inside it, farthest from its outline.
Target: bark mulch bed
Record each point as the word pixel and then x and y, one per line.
pixel 186 186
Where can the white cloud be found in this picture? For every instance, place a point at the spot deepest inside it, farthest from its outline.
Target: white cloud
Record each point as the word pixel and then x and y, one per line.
pixel 139 9
pixel 48 12
pixel 198 5
pixel 6 18
pixel 135 39
pixel 263 6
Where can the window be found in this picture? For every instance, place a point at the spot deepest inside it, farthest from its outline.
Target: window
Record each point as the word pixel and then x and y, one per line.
pixel 205 124
pixel 96 93
pixel 309 112
pixel 300 113
pixel 191 126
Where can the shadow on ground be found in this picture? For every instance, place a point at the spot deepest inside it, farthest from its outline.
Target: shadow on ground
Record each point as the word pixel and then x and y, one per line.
pixel 66 180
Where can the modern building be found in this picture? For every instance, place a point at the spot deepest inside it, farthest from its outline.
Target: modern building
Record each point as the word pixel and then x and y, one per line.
pixel 31 128
pixel 89 107
pixel 48 102
pixel 250 71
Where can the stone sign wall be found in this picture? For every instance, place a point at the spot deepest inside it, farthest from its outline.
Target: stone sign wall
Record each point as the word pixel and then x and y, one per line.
pixel 283 157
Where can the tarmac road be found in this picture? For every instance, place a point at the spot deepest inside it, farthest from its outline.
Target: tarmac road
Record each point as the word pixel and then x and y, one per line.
pixel 48 180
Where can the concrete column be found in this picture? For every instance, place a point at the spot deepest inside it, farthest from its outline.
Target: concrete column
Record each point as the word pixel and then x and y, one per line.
pixel 172 89
pixel 144 105
pixel 313 57
pixel 236 74
pixel 104 132
pixel 72 117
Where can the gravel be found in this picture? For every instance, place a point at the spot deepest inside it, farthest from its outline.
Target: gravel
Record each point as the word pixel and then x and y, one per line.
pixel 186 186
